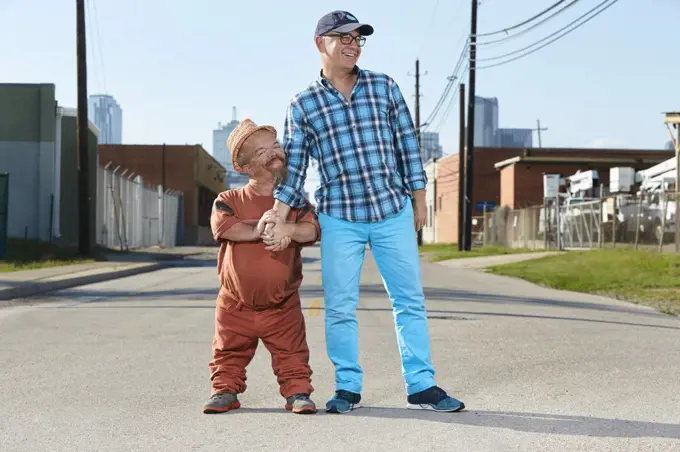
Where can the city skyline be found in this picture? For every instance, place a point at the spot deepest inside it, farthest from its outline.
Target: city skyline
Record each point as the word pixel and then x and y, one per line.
pixel 107 115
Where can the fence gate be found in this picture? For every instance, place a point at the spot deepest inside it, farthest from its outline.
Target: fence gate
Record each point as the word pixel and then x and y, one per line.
pixel 580 224
pixel 4 212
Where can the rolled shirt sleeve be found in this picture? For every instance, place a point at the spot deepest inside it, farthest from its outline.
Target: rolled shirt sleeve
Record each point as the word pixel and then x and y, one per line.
pixel 409 159
pixel 295 145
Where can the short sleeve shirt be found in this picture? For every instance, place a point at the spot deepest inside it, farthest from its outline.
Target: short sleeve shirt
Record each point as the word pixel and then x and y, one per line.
pixel 248 273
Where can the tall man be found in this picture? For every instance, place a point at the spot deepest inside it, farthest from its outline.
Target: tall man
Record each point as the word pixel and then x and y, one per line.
pixel 356 124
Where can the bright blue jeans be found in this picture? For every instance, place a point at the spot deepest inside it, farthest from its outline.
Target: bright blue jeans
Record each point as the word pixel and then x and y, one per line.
pixel 395 250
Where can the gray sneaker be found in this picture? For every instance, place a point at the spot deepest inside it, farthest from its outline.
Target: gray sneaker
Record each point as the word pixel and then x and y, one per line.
pixel 300 404
pixel 221 403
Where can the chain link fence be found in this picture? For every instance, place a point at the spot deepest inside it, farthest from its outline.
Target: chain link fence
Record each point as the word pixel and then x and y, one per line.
pixel 130 215
pixel 4 212
pixel 646 221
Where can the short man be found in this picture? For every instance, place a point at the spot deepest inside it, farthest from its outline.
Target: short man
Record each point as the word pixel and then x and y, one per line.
pixel 356 124
pixel 258 297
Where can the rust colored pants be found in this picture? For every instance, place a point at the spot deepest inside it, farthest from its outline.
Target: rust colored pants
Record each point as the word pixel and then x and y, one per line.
pixel 238 330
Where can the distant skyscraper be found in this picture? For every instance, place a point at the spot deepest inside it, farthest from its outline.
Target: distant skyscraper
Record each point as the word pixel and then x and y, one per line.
pixel 222 153
pixel 669 145
pixel 486 121
pixel 105 113
pixel 430 146
pixel 515 138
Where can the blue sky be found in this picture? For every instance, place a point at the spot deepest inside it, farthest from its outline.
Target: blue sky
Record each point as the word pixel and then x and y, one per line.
pixel 177 68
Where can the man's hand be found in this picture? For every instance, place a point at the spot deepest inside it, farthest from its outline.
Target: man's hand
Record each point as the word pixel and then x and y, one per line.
pixel 270 217
pixel 419 209
pixel 278 237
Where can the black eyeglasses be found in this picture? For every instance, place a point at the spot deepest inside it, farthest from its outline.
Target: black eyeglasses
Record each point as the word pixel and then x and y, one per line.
pixel 347 39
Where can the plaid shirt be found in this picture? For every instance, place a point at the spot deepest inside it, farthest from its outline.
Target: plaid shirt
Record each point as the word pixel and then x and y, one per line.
pixel 367 149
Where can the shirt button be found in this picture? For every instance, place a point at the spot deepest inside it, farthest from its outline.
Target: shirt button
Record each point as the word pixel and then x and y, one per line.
pixel 354 126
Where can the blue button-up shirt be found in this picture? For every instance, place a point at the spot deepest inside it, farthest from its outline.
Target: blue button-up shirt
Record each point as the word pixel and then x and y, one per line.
pixel 367 148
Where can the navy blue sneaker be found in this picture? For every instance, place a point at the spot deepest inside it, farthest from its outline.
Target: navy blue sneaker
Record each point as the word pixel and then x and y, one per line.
pixel 343 402
pixel 435 399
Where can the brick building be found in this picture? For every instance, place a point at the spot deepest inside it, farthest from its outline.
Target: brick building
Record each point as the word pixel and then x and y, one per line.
pixel 521 171
pixel 486 188
pixel 522 177
pixel 189 169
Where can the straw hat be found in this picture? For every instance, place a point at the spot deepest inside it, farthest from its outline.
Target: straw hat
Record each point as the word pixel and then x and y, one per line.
pixel 239 135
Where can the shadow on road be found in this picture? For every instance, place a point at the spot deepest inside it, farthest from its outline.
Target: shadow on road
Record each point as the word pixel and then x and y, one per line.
pixel 522 422
pixel 536 422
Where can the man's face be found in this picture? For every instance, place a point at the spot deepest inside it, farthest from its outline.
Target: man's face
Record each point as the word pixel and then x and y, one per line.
pixel 342 50
pixel 265 156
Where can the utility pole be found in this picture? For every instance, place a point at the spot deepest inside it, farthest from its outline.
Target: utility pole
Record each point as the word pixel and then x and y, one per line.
pixel 461 171
pixel 82 135
pixel 674 119
pixel 471 128
pixel 420 232
pixel 539 129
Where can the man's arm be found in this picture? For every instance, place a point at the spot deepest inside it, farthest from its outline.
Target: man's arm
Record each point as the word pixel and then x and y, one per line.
pixel 300 232
pixel 241 232
pixel 409 159
pixel 296 147
pixel 226 225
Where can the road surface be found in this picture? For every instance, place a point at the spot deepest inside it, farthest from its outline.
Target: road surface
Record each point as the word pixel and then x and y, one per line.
pixel 122 366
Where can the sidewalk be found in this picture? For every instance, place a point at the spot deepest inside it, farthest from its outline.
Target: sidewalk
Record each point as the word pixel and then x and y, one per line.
pixel 28 283
pixel 487 261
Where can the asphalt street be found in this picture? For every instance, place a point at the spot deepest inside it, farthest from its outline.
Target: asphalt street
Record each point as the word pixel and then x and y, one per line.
pixel 123 366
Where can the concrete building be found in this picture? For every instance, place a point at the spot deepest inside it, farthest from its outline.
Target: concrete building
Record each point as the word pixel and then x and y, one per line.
pixel 38 150
pixel 106 114
pixel 222 153
pixel 189 169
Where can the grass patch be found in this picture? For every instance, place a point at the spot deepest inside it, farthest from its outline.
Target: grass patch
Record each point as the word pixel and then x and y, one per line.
pixel 442 252
pixel 643 277
pixel 33 254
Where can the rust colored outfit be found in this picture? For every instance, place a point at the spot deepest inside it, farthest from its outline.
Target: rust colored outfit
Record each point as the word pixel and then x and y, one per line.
pixel 258 299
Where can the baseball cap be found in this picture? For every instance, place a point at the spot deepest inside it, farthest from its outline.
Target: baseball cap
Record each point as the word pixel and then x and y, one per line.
pixel 341 22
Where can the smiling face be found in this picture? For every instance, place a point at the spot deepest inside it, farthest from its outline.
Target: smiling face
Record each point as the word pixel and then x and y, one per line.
pixel 340 50
pixel 261 157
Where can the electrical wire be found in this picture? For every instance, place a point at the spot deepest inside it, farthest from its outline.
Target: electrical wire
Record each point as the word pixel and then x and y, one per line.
pixel 505 30
pixel 451 80
pixel 520 33
pixel 429 27
pixel 549 42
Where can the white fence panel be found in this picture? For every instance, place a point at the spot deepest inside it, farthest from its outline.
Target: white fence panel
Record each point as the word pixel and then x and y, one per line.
pixel 131 216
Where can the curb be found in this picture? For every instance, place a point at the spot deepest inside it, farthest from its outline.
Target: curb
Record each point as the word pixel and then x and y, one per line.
pixel 41 288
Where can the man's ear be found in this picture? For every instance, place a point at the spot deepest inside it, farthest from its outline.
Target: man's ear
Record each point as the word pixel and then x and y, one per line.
pixel 320 44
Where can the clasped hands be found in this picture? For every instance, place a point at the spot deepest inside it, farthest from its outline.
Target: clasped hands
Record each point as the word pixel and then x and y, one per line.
pixel 274 231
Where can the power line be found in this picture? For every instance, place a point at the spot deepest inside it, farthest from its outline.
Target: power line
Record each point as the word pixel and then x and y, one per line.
pixel 505 30
pixel 448 109
pixel 549 42
pixel 536 25
pixel 429 27
pixel 451 80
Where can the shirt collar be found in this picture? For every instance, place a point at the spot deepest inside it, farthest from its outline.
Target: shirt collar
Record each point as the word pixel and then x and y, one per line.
pixel 324 81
